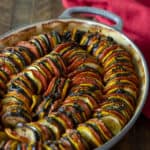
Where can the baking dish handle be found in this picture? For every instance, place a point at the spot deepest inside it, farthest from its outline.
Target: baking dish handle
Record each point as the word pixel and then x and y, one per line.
pixel 90 10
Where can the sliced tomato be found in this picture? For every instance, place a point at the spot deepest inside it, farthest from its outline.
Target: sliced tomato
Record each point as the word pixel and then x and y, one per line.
pixel 75 139
pixel 119 68
pixel 16 56
pixel 115 53
pixel 107 51
pixel 88 74
pixel 38 46
pixel 84 106
pixel 86 80
pixel 42 78
pixel 4 76
pixel 26 54
pixel 124 98
pixel 116 59
pixel 122 75
pixel 118 106
pixel 46 40
pixel 14 114
pixel 53 65
pixel 66 119
pixel 50 40
pixel 42 42
pixel 101 47
pixel 31 47
pixel 20 96
pixel 91 136
pixel 50 86
pixel 60 61
pixel 7 65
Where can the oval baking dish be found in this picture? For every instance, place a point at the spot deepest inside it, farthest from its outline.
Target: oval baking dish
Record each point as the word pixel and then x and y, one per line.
pixel 66 23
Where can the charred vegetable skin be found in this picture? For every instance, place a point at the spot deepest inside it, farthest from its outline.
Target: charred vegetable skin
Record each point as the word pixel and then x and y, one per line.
pixel 15 59
pixel 80 95
pixel 25 89
pixel 75 108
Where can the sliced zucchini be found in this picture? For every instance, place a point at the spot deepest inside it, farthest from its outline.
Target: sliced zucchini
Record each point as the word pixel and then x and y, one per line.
pixel 100 128
pixel 77 35
pixel 20 88
pixel 3 75
pixel 57 64
pixel 103 44
pixel 69 111
pixel 10 145
pixel 42 78
pixel 46 40
pixel 91 66
pixel 88 37
pixel 25 133
pixel 33 49
pixel 41 43
pixel 79 109
pixel 89 135
pixel 56 127
pixel 74 138
pixel 16 56
pixel 8 66
pixel 34 80
pixel 112 123
pixel 56 37
pixel 112 51
pixel 26 54
pixel 118 106
pixel 50 131
pixel 38 46
pixel 13 114
pixel 127 90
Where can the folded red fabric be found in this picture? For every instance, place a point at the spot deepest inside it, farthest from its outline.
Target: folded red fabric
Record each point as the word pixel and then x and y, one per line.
pixel 136 18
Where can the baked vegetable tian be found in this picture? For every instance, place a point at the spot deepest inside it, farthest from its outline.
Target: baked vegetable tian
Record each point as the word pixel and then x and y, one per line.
pixel 65 91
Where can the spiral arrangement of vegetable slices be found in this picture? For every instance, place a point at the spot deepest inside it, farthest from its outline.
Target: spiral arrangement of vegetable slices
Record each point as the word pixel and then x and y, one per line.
pixel 78 95
pixel 15 59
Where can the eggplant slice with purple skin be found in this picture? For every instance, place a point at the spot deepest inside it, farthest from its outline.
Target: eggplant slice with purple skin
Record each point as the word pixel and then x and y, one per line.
pixel 65 91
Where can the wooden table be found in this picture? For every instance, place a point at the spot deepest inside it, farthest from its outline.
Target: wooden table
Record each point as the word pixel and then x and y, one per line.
pixel 15 13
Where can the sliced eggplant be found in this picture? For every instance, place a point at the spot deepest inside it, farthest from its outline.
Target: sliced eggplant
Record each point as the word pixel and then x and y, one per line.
pixel 4 76
pixel 31 47
pixel 89 135
pixel 42 43
pixel 38 46
pixel 100 128
pixel 17 97
pixel 51 133
pixel 56 37
pixel 103 44
pixel 85 67
pixel 53 96
pixel 13 114
pixel 45 40
pixel 27 55
pixel 112 123
pixel 10 145
pixel 81 105
pixel 56 126
pixel 16 56
pixel 25 133
pixel 8 66
pixel 78 110
pixel 75 140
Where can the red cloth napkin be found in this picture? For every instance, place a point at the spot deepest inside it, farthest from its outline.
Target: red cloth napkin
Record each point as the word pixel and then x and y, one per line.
pixel 136 19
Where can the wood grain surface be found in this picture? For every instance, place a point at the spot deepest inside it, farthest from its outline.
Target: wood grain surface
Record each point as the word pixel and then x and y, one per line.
pixel 15 13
